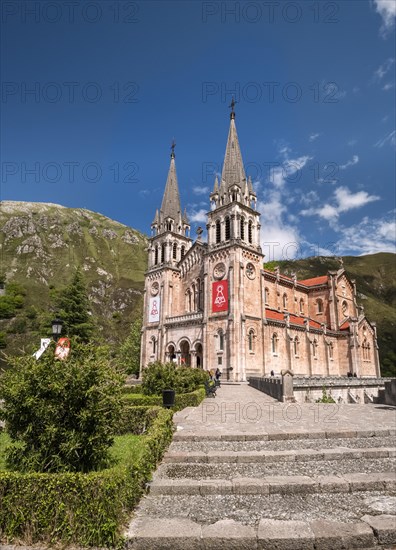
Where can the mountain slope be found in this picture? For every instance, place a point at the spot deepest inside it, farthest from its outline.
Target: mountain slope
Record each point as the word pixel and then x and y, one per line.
pixel 375 277
pixel 41 244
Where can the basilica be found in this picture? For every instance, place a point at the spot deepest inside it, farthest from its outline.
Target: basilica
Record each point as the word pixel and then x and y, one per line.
pixel 214 305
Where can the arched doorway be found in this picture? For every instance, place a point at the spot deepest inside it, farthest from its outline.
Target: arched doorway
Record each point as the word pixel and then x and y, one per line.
pixel 199 355
pixel 185 356
pixel 171 353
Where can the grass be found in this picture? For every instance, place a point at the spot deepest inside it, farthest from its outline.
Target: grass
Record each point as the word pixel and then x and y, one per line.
pixel 125 447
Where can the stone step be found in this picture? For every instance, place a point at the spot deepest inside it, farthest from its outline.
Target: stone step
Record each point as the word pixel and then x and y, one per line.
pixel 337 453
pixel 281 444
pixel 218 434
pixel 268 485
pixel 177 533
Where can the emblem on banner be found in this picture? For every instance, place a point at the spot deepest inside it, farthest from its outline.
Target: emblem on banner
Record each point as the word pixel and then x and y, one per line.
pixel 220 296
pixel 154 309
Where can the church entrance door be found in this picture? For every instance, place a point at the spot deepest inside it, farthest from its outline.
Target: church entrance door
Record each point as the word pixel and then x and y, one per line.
pixel 185 357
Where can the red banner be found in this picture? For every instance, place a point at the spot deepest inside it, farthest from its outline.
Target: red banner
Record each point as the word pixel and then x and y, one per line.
pixel 62 349
pixel 220 296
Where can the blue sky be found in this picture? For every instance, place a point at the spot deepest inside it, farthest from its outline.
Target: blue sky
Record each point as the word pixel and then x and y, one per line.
pixel 93 93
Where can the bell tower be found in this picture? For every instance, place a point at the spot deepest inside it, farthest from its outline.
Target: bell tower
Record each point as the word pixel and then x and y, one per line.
pixel 233 217
pixel 168 244
pixel 234 267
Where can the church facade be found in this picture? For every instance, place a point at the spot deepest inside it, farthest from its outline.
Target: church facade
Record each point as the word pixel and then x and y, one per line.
pixel 212 304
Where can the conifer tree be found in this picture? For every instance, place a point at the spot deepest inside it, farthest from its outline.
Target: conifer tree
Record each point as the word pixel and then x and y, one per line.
pixel 74 310
pixel 129 356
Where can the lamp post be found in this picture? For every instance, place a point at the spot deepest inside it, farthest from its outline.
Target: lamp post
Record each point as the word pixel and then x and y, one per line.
pixel 56 328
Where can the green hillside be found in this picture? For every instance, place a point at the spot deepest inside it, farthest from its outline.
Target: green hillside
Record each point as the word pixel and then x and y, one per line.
pixel 375 277
pixel 41 245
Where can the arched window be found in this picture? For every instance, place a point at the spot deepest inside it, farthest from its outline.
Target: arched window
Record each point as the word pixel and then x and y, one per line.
pixel 314 348
pixel 296 345
pixel 221 340
pixel 242 228
pixel 182 252
pixel 344 308
pixel 331 350
pixel 234 196
pixel 301 305
pixel 319 304
pixel 174 251
pixel 169 225
pixel 162 252
pixel 218 231
pixel 250 232
pixel 154 344
pixel 156 256
pixel 188 300
pixel 251 340
pixel 266 296
pixel 284 301
pixel 366 350
pixel 274 342
pixel 193 298
pixel 227 229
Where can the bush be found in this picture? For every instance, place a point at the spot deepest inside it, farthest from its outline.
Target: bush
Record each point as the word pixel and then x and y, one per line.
pixel 325 397
pixel 76 508
pixel 60 415
pixel 183 400
pixel 159 376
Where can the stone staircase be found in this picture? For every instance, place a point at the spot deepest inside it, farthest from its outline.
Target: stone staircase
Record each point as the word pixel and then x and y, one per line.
pixel 322 490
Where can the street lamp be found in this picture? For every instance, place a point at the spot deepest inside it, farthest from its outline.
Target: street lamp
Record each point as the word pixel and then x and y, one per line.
pixel 56 328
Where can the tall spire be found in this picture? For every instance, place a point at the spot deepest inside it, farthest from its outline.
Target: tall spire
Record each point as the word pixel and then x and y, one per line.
pixel 233 170
pixel 170 207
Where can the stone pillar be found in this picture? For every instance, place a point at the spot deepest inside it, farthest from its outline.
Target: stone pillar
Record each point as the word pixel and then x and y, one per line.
pixel 287 386
pixel 375 352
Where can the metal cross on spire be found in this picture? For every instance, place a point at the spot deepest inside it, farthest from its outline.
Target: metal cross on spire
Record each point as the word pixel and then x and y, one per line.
pixel 173 148
pixel 231 106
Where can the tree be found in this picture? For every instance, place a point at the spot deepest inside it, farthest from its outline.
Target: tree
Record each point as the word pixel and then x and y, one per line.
pixel 73 305
pixel 61 415
pixel 129 356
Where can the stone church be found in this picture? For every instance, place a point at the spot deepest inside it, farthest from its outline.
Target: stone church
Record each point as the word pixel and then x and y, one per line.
pixel 213 304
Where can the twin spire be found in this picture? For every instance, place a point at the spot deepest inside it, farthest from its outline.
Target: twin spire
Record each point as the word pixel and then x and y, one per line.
pixel 232 177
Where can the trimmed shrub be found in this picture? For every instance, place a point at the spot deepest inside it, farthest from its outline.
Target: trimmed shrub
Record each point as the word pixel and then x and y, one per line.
pixel 60 415
pixel 76 508
pixel 163 376
pixel 191 399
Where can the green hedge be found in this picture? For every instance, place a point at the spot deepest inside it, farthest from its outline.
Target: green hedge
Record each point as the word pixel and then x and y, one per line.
pixel 192 399
pixel 83 509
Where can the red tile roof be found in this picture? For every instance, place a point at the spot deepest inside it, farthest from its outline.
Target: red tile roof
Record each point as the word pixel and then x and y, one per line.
pixel 345 325
pixel 294 319
pixel 315 281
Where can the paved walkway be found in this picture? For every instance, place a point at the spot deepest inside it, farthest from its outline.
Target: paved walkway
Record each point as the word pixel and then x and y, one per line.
pixel 241 410
pixel 245 472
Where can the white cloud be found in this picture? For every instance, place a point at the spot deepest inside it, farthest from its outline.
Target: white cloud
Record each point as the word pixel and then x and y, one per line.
pixel 312 137
pixel 309 198
pixel 279 175
pixel 388 86
pixel 389 138
pixel 198 216
pixel 348 201
pixel 354 160
pixel 344 201
pixel 368 237
pixel 198 190
pixel 279 239
pixel 387 10
pixel 384 69
pixel 352 142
